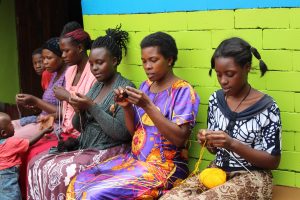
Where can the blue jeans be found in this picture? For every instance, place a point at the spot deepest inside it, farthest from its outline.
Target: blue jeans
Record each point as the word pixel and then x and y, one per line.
pixel 9 186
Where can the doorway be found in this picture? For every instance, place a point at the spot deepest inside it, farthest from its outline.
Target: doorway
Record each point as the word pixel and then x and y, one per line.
pixel 36 22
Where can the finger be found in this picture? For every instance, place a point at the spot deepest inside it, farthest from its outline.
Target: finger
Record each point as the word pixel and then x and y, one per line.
pixel 117 92
pixel 136 94
pixel 134 90
pixel 79 95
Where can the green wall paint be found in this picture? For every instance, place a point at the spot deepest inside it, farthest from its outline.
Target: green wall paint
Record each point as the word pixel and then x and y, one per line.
pixel 9 80
pixel 274 32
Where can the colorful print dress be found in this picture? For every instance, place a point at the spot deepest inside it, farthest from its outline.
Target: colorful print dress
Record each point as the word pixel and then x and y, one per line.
pixel 154 164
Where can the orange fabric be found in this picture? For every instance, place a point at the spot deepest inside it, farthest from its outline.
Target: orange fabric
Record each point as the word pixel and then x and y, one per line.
pixel 46 77
pixel 11 150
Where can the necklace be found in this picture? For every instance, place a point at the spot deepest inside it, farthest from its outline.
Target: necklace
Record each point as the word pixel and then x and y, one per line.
pixel 245 97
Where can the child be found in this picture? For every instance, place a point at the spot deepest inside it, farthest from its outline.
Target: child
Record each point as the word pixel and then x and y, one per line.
pixel 11 149
pixel 244 130
pixel 38 66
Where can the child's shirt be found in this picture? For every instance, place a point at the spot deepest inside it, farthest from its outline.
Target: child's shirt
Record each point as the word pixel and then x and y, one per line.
pixel 11 150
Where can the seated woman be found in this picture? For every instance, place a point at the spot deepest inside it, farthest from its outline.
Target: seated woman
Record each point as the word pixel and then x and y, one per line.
pixel 48 104
pixel 74 43
pixel 160 116
pixel 244 130
pixel 100 121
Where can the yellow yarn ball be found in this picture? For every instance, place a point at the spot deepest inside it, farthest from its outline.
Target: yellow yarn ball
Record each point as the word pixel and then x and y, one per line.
pixel 212 177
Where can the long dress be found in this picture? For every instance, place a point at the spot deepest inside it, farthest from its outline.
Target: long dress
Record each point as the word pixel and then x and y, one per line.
pixel 259 127
pixel 104 135
pixel 154 164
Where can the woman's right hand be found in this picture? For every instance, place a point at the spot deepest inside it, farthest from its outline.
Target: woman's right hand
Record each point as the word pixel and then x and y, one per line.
pixel 121 97
pixel 61 93
pixel 26 100
pixel 201 136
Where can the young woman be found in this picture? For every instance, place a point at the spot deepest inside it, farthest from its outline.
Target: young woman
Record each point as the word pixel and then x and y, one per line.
pixel 160 116
pixel 100 121
pixel 48 104
pixel 244 130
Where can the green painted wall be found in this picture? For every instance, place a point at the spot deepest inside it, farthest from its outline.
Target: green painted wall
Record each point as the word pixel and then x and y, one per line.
pixel 274 32
pixel 9 79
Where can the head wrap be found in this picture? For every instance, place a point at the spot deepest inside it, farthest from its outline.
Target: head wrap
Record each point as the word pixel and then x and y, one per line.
pixel 79 34
pixel 53 45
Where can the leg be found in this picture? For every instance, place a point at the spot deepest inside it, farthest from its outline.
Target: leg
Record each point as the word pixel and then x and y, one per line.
pixel 189 189
pixel 9 186
pixel 242 186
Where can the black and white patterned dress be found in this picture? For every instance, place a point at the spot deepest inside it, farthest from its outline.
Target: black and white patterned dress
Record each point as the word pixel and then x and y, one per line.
pixel 258 126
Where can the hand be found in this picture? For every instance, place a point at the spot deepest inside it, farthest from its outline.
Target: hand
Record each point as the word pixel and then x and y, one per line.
pixel 61 93
pixel 137 97
pixel 201 136
pixel 121 97
pixel 219 139
pixel 26 100
pixel 80 102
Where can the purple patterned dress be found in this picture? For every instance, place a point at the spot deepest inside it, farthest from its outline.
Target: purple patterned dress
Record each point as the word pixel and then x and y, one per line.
pixel 154 164
pixel 48 95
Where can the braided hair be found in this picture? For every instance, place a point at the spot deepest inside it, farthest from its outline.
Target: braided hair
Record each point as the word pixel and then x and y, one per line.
pixel 165 42
pixel 114 41
pixel 78 36
pixel 240 50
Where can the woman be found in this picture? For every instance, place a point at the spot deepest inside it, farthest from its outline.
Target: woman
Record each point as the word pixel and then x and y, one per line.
pixel 53 63
pixel 74 43
pixel 160 116
pixel 98 118
pixel 244 130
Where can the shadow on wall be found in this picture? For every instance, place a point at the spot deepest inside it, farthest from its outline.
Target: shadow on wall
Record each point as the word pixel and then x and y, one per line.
pixel 10 109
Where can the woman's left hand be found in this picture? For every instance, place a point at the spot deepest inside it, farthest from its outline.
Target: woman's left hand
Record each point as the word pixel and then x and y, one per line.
pixel 137 97
pixel 219 139
pixel 80 102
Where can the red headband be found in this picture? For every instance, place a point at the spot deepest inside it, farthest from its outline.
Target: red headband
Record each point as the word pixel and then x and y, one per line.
pixel 78 34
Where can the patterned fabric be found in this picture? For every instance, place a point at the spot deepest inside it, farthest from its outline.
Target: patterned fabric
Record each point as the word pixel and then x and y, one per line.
pixel 260 130
pixel 50 174
pixel 48 95
pixel 259 127
pixel 154 164
pixel 241 185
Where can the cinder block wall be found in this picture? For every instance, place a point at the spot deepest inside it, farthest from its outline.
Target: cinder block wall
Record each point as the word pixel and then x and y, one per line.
pixel 275 32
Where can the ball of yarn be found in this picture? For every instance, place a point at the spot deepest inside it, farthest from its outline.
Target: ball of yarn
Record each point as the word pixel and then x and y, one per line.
pixel 212 177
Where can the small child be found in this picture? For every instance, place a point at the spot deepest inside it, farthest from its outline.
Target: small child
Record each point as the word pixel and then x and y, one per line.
pixel 37 62
pixel 11 149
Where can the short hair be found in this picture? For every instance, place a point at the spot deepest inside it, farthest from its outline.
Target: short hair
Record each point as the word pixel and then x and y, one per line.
pixel 37 51
pixel 240 50
pixel 114 41
pixel 165 42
